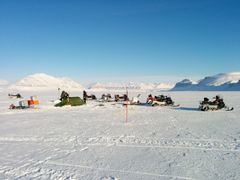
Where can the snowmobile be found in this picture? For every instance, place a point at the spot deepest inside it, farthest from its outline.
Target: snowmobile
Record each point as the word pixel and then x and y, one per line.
pixel 106 98
pixel 91 97
pixel 217 104
pixel 121 98
pixel 134 101
pixel 161 100
pixel 24 104
pixel 15 95
pixel 88 97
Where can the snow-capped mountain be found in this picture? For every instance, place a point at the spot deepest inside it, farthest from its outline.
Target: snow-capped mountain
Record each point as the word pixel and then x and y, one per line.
pixel 164 86
pixel 44 81
pixel 130 86
pixel 185 84
pixel 219 82
pixel 220 79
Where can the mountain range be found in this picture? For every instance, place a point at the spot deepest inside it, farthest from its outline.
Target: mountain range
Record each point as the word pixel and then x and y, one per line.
pixel 219 82
pixel 41 81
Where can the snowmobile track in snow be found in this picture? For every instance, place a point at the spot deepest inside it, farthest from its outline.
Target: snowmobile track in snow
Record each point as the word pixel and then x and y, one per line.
pixel 135 142
pixel 119 171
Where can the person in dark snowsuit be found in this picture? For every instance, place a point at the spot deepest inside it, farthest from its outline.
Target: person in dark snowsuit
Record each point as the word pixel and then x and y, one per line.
pixel 219 101
pixel 64 95
pixel 205 100
pixel 84 96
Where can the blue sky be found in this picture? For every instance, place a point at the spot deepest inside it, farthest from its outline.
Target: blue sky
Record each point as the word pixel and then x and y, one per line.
pixel 101 39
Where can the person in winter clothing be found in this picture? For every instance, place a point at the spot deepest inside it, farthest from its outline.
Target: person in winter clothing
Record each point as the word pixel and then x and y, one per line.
pixel 219 101
pixel 205 100
pixel 169 101
pixel 150 99
pixel 216 101
pixel 125 97
pixel 64 95
pixel 84 96
pixel 12 106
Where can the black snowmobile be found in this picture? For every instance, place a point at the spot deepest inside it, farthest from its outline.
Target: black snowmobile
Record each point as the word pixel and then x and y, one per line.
pixel 88 97
pixel 162 100
pixel 217 104
pixel 15 95
pixel 121 98
pixel 106 98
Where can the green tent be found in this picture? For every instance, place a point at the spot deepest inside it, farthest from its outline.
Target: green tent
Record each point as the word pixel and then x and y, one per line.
pixel 73 101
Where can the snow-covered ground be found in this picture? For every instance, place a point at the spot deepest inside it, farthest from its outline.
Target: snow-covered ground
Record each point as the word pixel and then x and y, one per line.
pixel 95 142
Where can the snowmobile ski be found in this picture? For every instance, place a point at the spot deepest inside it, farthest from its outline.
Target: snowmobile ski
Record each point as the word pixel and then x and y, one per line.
pixel 229 109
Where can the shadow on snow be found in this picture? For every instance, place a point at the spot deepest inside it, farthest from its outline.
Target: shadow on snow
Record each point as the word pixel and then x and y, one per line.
pixel 188 109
